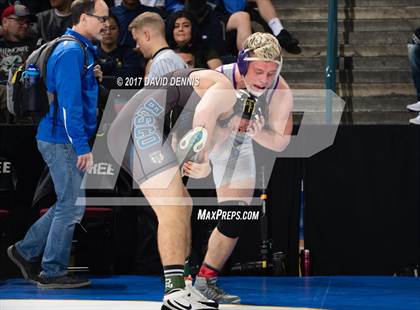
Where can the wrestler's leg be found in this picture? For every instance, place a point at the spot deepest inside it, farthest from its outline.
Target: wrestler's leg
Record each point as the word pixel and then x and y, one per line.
pixel 174 218
pixel 233 195
pixel 220 246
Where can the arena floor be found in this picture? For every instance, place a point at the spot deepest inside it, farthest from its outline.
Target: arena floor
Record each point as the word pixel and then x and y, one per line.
pixel 259 293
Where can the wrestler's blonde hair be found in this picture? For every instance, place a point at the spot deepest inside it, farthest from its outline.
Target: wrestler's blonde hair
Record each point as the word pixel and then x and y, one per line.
pixel 262 46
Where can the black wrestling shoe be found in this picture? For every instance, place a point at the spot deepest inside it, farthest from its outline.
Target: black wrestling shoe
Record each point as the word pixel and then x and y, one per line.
pixel 288 42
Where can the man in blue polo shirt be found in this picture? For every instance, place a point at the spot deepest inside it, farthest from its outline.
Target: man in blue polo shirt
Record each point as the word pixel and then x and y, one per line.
pixel 63 137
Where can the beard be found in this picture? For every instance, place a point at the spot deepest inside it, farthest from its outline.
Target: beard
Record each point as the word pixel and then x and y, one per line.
pixel 254 92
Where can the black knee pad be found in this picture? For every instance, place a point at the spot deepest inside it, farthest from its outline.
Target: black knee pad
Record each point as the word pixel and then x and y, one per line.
pixel 231 227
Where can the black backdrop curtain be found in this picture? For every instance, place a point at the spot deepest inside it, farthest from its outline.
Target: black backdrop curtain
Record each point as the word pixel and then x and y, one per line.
pixel 18 146
pixel 362 202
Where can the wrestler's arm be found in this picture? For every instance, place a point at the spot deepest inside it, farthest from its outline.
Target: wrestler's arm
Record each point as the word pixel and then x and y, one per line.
pixel 276 136
pixel 219 98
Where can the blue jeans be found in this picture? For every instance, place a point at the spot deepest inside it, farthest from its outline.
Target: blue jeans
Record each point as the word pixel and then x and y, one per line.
pixel 51 236
pixel 414 58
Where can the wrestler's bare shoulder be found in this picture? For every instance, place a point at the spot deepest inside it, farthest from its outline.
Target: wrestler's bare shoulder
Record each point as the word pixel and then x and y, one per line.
pixel 208 78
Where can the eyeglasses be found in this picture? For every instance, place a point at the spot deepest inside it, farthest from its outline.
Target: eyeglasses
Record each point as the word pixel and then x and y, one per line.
pixel 20 21
pixel 102 19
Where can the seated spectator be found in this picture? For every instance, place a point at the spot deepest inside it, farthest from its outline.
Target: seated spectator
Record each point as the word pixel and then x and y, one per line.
pixel 116 60
pixel 414 58
pixel 241 22
pixel 33 6
pixel 235 19
pixel 161 6
pixel 126 13
pixel 54 22
pixel 187 54
pixel 268 13
pixel 229 8
pixel 211 29
pixel 15 46
pixel 182 30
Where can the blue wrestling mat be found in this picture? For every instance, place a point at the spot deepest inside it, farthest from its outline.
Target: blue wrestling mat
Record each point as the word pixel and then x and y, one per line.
pixel 260 293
